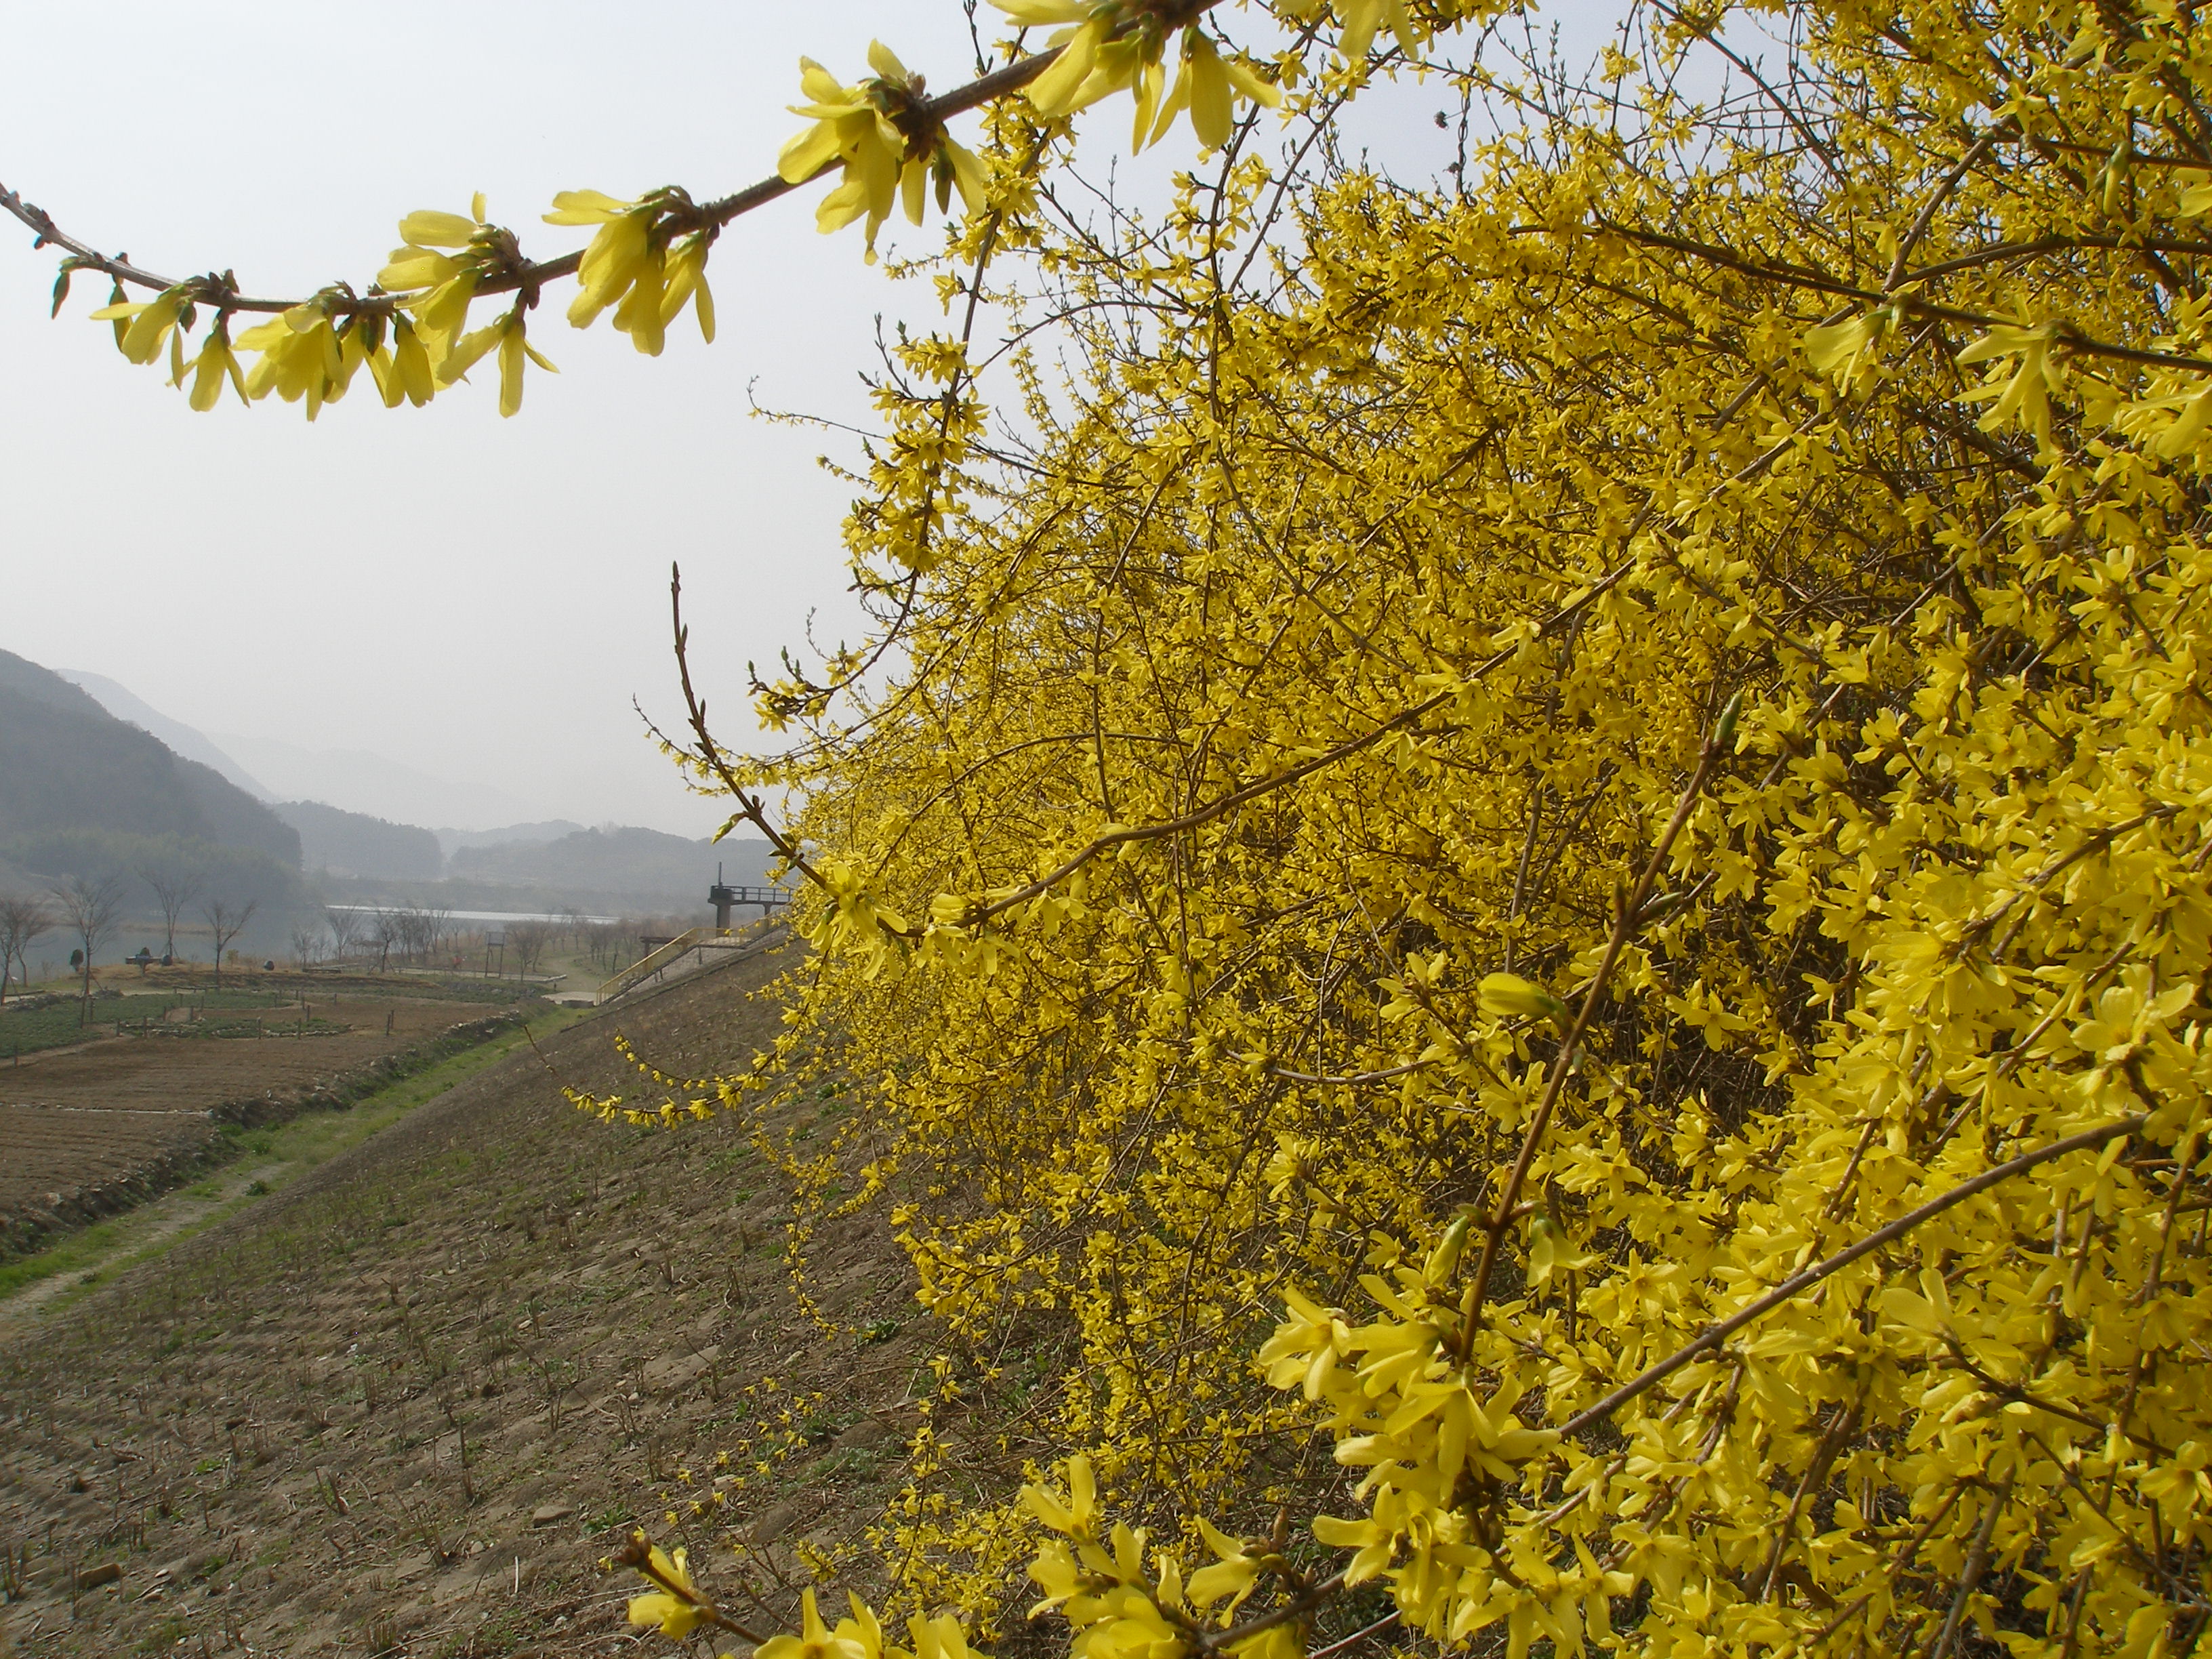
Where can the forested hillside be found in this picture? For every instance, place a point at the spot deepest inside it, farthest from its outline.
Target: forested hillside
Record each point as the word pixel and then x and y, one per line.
pixel 640 864
pixel 85 794
pixel 355 844
pixel 70 766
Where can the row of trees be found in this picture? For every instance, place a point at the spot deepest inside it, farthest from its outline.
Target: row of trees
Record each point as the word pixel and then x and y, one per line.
pixel 88 910
pixel 414 931
pixel 177 886
pixel 607 944
pixel 420 933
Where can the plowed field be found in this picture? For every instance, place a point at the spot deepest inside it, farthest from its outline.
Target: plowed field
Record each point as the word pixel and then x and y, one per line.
pixel 406 1405
pixel 81 1118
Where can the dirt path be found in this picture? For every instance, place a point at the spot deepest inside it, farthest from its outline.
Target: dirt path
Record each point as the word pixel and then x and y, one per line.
pixel 275 1158
pixel 134 1236
pixel 16 1062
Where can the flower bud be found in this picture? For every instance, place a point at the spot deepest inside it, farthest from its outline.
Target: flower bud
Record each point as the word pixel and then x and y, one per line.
pixel 1508 996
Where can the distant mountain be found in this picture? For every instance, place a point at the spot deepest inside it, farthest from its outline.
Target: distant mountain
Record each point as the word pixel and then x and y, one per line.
pixel 348 780
pixel 345 843
pixel 638 863
pixel 359 780
pixel 530 835
pixel 187 741
pixel 68 766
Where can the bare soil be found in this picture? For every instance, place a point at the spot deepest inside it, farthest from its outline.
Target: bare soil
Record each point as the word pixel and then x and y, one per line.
pixel 77 1118
pixel 410 1404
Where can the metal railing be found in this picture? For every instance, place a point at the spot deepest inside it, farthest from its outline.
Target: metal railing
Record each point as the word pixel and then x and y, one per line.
pixel 695 938
pixel 768 898
pixel 652 963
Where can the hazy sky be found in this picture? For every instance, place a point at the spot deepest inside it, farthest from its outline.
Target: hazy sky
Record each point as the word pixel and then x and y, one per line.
pixel 477 598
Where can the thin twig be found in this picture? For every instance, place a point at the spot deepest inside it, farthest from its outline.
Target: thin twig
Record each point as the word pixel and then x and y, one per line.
pixel 637 1555
pixel 1977 1561
pixel 1624 923
pixel 1819 283
pixel 1926 216
pixel 1297 1608
pixel 1357 1636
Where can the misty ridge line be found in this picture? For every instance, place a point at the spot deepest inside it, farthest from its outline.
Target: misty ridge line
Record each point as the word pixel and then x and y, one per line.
pixel 350 779
pixel 98 785
pixel 332 832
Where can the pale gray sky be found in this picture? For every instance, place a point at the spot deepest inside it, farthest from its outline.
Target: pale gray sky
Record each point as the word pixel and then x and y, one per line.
pixel 475 597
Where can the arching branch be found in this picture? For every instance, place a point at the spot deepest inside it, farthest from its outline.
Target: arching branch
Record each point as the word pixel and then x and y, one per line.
pixel 219 290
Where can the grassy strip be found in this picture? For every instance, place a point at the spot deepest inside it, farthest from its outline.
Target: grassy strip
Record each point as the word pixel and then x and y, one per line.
pixel 79 1251
pixel 273 1156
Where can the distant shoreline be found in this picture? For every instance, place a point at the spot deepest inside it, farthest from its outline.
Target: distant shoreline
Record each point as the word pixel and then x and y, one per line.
pixel 479 915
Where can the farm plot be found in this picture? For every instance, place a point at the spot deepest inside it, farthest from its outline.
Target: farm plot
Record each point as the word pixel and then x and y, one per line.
pixel 77 1121
pixel 51 1021
pixel 408 1404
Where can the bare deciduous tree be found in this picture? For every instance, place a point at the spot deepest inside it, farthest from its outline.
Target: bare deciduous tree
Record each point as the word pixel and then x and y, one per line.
pixel 307 943
pixel 385 931
pixel 419 929
pixel 437 928
pixel 227 921
pixel 24 917
pixel 527 941
pixel 345 930
pixel 605 940
pixel 410 927
pixel 174 887
pixel 89 908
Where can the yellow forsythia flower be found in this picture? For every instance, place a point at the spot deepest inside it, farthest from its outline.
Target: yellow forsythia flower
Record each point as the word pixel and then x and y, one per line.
pixel 1234 1573
pixel 1508 996
pixel 677 1608
pixel 1101 53
pixel 215 364
pixel 508 337
pixel 1076 1515
pixel 143 325
pixel 815 1640
pixel 860 126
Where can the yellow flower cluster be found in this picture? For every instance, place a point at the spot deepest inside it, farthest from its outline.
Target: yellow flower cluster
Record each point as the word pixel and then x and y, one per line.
pixel 1251 875
pixel 1124 1602
pixel 648 260
pixel 1428 1433
pixel 861 1636
pixel 1110 48
pixel 1632 731
pixel 310 352
pixel 705 1096
pixel 890 147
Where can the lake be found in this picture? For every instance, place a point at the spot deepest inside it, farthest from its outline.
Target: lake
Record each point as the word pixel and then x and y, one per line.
pixel 469 916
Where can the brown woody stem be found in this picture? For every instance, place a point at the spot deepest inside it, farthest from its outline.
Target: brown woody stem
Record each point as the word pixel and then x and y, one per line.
pixel 1623 924
pixel 1714 1335
pixel 1009 78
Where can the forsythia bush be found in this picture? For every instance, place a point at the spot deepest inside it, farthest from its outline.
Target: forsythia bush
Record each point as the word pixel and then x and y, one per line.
pixel 1525 865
